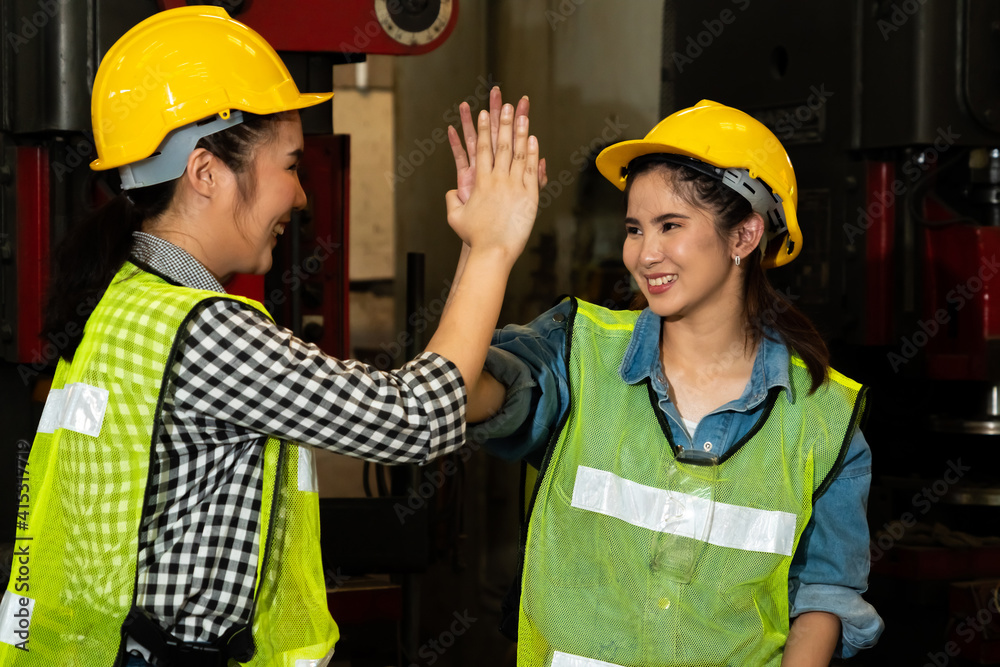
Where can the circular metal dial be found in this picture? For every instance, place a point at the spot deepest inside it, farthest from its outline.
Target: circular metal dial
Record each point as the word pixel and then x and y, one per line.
pixel 413 22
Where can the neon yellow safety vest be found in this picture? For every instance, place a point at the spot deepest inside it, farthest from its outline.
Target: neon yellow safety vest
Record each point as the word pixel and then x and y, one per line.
pixel 85 487
pixel 635 557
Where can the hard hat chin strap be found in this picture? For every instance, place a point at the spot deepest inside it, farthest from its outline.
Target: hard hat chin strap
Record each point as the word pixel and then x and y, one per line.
pixel 170 159
pixel 762 199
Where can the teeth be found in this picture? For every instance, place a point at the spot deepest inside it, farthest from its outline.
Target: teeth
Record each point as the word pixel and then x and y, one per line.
pixel 662 281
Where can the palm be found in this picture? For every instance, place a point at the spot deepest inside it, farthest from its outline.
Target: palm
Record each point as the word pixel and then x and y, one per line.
pixel 465 158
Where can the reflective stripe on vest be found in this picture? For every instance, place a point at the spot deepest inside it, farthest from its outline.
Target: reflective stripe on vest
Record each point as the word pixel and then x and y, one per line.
pixel 684 514
pixel 636 557
pixel 86 486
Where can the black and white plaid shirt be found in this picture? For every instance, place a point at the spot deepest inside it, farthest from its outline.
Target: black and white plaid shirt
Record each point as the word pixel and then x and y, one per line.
pixel 237 379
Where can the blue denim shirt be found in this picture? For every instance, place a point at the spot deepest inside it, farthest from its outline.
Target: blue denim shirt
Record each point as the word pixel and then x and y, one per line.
pixel 829 571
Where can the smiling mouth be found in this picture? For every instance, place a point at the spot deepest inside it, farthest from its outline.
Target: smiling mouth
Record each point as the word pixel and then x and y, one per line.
pixel 663 280
pixel 278 231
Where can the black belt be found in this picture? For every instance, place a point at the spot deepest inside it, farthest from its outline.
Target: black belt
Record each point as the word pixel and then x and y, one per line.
pixel 169 651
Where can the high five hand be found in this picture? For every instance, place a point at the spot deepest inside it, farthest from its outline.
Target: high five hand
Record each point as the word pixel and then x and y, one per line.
pixel 465 163
pixel 502 188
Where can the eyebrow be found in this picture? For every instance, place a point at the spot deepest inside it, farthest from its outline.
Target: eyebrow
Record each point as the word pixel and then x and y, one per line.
pixel 660 218
pixel 297 153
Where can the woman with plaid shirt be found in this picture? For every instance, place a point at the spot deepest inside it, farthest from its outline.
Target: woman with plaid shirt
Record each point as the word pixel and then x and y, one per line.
pixel 176 518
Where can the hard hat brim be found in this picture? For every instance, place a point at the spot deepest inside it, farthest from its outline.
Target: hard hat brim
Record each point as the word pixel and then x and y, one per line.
pixel 613 160
pixel 304 101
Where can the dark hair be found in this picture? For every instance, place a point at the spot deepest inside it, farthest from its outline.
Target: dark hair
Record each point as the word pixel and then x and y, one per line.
pixel 93 250
pixel 764 308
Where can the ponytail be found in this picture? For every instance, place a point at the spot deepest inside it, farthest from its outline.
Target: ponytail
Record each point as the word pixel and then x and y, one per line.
pixel 90 255
pixel 765 308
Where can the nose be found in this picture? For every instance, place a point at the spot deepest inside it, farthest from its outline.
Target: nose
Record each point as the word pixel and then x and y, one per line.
pixel 300 201
pixel 651 252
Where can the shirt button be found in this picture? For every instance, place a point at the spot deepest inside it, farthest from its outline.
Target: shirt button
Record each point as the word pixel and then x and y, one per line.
pixel 558 317
pixel 663 603
pixel 707 446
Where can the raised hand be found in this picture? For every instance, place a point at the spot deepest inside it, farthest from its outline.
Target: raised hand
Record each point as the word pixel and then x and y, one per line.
pixel 465 162
pixel 503 193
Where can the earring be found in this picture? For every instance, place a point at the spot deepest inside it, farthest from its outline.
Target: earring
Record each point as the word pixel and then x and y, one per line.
pixel 737 260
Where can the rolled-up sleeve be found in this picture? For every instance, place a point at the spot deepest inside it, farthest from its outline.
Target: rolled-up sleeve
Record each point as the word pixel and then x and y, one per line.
pixel 830 569
pixel 529 360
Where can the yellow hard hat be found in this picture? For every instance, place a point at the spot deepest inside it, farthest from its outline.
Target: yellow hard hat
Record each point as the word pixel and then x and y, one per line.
pixel 179 67
pixel 742 149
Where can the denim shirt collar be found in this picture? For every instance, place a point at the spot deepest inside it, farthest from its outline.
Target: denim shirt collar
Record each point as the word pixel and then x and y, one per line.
pixel 642 360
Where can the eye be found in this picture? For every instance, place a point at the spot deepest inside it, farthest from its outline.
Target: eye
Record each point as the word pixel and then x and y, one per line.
pixel 294 167
pixel 632 230
pixel 667 226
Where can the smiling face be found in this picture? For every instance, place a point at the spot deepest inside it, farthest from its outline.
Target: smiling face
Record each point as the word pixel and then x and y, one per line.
pixel 674 252
pixel 260 221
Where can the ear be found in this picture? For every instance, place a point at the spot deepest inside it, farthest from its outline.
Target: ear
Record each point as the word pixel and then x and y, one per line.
pixel 747 235
pixel 205 173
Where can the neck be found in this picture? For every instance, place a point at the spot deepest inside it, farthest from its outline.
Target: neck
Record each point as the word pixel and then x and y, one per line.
pixel 712 339
pixel 177 230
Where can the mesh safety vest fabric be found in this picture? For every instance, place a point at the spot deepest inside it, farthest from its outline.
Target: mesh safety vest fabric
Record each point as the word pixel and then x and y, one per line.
pixel 87 479
pixel 634 558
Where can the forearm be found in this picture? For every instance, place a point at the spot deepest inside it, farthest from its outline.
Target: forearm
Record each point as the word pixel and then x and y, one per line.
pixel 463 259
pixel 811 640
pixel 467 324
pixel 486 397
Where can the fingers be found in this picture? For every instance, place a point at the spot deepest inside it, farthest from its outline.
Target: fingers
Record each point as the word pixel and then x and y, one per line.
pixel 505 139
pixel 532 172
pixel 520 156
pixel 461 159
pixel 468 131
pixel 496 105
pixel 543 175
pixel 452 201
pixel 484 148
pixel 523 106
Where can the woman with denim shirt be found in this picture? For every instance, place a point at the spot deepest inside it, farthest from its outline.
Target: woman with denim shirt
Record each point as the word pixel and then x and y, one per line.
pixel 704 482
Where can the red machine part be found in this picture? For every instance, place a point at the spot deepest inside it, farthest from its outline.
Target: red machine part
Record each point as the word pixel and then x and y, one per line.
pixel 962 282
pixel 881 211
pixel 326 178
pixel 319 275
pixel 32 252
pixel 357 26
pixel 244 284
